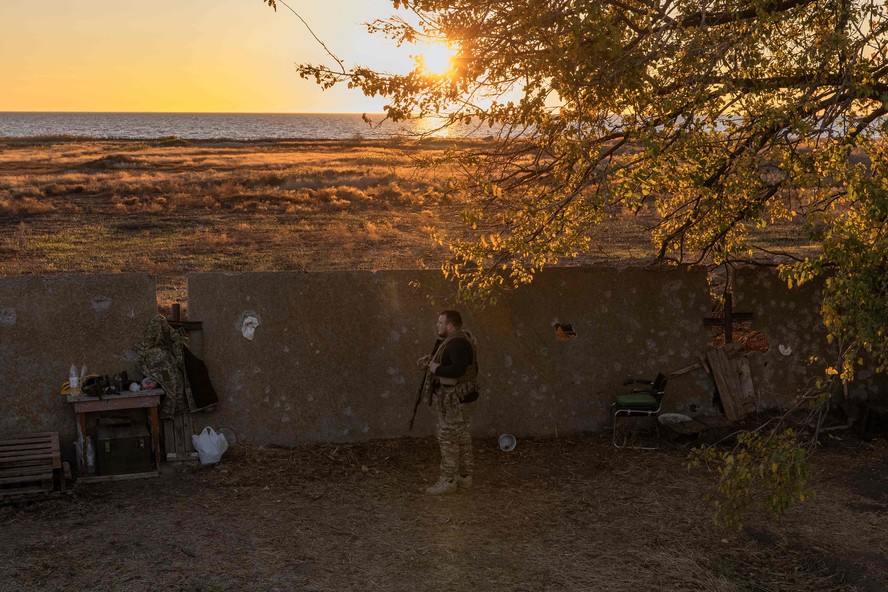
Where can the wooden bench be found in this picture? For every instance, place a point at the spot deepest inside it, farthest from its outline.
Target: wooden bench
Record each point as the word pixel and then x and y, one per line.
pixel 31 468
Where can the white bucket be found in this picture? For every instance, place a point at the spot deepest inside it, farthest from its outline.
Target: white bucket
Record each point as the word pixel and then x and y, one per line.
pixel 507 442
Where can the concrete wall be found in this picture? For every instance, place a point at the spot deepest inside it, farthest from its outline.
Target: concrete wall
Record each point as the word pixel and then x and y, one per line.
pixel 799 350
pixel 48 321
pixel 333 355
pixel 332 358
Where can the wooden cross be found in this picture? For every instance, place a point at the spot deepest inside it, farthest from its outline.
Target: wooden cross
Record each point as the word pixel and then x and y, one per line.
pixel 175 321
pixel 729 319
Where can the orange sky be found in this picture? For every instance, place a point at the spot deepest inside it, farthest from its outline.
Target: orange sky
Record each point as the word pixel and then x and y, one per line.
pixel 182 55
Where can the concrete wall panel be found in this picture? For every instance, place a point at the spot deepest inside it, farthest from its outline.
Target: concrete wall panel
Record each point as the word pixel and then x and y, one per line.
pixel 332 357
pixel 48 321
pixel 799 351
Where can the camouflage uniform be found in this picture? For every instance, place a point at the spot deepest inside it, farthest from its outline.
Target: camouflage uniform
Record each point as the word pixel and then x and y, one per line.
pixel 452 414
pixel 161 358
pixel 453 433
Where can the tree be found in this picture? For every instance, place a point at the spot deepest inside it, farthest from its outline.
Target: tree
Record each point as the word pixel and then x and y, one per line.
pixel 722 116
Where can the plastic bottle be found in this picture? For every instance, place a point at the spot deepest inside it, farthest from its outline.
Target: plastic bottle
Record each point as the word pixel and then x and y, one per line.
pixel 74 380
pixel 90 456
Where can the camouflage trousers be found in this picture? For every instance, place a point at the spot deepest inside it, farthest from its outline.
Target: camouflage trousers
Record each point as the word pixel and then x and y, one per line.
pixel 453 433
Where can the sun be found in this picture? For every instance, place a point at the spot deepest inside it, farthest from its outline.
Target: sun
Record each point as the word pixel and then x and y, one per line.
pixel 436 60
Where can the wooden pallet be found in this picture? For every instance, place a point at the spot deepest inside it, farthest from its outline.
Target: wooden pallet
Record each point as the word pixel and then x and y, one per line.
pixel 733 379
pixel 177 431
pixel 31 468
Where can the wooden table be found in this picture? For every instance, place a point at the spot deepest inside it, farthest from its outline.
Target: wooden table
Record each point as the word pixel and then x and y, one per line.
pixel 149 399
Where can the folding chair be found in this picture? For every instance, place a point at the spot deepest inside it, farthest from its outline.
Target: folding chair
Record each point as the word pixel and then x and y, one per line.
pixel 644 400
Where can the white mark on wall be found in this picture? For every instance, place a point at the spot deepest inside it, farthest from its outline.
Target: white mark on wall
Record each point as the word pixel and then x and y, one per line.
pixel 132 313
pixel 101 304
pixel 310 397
pixel 395 336
pixel 396 375
pixel 7 317
pixel 386 394
pixel 507 361
pixel 347 411
pixel 784 349
pixel 247 324
pixel 651 344
pixel 286 349
pixel 285 418
pixel 365 428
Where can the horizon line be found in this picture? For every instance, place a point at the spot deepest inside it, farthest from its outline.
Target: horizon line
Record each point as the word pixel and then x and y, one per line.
pixel 206 112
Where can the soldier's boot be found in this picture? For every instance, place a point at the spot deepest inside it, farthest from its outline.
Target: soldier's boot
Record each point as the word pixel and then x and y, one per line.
pixel 464 482
pixel 442 487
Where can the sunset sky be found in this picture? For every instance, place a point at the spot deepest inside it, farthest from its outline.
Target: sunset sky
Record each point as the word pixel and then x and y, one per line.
pixel 183 55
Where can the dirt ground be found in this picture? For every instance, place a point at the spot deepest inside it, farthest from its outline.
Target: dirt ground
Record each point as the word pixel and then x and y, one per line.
pixel 554 514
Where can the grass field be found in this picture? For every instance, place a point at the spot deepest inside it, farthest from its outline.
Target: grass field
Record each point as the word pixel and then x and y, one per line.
pixel 167 207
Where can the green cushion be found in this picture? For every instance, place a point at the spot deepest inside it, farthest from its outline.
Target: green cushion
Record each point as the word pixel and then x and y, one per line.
pixel 637 401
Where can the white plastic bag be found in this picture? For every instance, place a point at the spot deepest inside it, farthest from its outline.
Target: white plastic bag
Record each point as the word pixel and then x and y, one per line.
pixel 210 445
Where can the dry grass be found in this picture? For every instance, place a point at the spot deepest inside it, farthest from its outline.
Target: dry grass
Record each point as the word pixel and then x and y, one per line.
pixel 69 205
pixel 566 514
pixel 169 207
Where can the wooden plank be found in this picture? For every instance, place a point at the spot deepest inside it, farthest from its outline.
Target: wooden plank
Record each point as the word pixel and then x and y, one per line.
pixel 116 404
pixel 28 478
pixel 34 462
pixel 169 438
pixel 123 477
pixel 121 396
pixel 730 375
pixel 15 471
pixel 63 475
pixel 750 404
pixel 24 455
pixel 37 446
pixel 35 439
pixel 178 431
pixel 721 382
pixel 684 370
pixel 733 384
pixel 27 497
pixel 23 490
pixel 190 452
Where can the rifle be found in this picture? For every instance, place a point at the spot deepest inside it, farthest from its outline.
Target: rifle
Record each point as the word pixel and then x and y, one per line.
pixel 425 376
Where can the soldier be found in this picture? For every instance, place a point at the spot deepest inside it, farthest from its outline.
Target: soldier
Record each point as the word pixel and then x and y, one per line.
pixel 450 391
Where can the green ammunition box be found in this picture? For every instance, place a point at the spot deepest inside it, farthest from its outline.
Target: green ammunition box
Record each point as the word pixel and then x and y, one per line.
pixel 123 449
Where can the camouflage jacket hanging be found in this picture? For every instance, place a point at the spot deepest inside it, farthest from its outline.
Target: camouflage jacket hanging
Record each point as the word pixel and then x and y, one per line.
pixel 161 358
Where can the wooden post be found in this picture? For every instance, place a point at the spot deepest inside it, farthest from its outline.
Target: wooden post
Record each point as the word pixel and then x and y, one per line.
pixel 729 318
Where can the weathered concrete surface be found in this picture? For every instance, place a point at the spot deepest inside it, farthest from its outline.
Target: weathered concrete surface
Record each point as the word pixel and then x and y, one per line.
pixel 799 351
pixel 332 354
pixel 48 321
pixel 332 357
